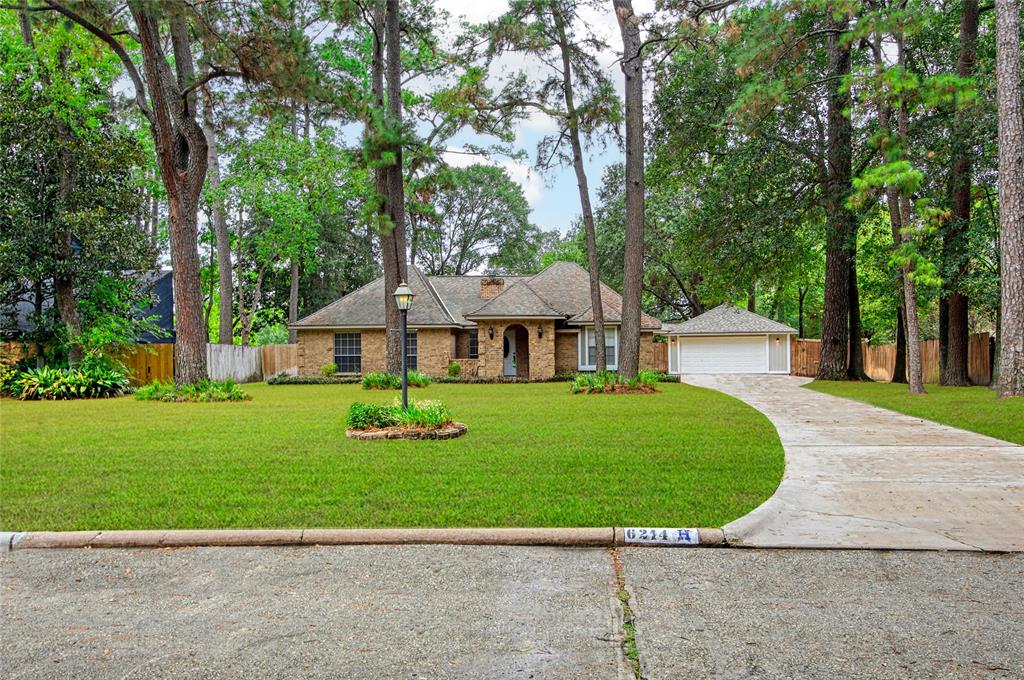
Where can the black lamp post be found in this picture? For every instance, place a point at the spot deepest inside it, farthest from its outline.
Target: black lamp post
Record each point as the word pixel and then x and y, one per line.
pixel 403 298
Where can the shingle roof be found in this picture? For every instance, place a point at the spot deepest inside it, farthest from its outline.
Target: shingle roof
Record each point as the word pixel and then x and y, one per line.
pixel 461 294
pixel 561 291
pixel 517 300
pixel 364 307
pixel 727 320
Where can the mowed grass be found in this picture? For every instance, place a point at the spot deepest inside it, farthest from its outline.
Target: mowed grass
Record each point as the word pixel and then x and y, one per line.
pixel 977 409
pixel 535 455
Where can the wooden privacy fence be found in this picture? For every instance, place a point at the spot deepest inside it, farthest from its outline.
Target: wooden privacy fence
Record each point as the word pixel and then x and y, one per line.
pixel 660 357
pixel 148 363
pixel 237 362
pixel 880 361
pixel 279 359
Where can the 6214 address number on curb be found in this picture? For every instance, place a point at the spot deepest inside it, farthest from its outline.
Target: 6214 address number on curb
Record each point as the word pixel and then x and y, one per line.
pixel 662 536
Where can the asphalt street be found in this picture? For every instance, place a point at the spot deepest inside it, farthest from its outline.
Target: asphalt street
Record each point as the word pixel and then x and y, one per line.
pixel 504 612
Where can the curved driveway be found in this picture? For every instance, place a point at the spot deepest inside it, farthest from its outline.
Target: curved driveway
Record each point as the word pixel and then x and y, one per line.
pixel 858 476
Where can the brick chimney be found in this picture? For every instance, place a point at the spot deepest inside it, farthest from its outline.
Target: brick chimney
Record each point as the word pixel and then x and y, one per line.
pixel 491 286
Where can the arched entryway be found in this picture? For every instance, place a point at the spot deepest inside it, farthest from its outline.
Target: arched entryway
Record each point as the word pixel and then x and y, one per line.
pixel 516 352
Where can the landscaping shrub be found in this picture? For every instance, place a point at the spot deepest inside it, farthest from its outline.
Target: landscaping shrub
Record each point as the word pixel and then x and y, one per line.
pixel 204 390
pixel 92 382
pixel 379 380
pixel 429 414
pixel 7 375
pixel 328 369
pixel 366 416
pixel 454 369
pixel 416 379
pixel 285 379
pixel 609 381
pixel 425 414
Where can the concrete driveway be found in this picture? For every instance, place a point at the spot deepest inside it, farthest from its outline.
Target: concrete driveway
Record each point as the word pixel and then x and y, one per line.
pixel 858 476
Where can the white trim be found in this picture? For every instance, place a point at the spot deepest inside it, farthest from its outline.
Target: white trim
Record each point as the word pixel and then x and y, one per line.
pixel 581 348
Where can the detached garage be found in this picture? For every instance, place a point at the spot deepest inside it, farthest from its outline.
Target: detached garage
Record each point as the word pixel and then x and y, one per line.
pixel 728 339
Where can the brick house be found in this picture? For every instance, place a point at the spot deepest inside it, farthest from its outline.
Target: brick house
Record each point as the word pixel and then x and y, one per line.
pixel 531 327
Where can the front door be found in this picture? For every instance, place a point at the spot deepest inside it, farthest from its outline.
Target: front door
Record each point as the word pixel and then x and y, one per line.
pixel 510 352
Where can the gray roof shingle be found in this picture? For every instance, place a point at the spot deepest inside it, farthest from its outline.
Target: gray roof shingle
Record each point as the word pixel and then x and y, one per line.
pixel 561 291
pixel 461 294
pixel 727 320
pixel 364 307
pixel 517 300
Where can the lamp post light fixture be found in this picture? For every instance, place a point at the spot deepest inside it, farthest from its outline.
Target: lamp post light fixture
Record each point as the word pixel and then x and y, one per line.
pixel 403 298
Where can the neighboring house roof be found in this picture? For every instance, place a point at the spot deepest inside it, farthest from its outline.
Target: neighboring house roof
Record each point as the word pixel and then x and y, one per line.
pixel 158 283
pixel 727 320
pixel 561 291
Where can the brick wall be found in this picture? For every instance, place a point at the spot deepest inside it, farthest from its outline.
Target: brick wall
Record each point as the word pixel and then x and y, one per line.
pixel 541 354
pixel 647 351
pixel 434 346
pixel 566 353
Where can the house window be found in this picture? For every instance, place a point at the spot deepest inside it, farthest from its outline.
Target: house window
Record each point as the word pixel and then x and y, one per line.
pixel 588 349
pixel 474 345
pixel 348 356
pixel 410 350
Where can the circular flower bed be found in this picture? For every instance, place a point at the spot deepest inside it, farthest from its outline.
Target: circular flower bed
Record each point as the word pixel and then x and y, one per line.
pixel 449 431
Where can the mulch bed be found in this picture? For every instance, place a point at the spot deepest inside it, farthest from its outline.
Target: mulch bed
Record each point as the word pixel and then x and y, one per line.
pixel 449 431
pixel 623 389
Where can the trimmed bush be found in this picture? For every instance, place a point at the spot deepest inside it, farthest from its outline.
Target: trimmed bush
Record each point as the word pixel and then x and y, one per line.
pixel 428 414
pixel 328 370
pixel 425 414
pixel 416 379
pixel 609 381
pixel 454 369
pixel 93 382
pixel 378 380
pixel 371 416
pixel 202 391
pixel 385 381
pixel 285 379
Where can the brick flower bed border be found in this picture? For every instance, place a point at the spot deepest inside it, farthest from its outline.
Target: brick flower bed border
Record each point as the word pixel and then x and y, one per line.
pixel 450 431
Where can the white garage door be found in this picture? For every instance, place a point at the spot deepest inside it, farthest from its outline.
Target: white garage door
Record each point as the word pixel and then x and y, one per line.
pixel 723 354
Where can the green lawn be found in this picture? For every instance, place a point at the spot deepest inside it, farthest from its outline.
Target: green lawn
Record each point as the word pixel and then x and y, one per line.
pixel 977 409
pixel 534 456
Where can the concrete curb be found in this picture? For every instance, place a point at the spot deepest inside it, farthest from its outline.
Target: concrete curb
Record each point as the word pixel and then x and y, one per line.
pixel 567 537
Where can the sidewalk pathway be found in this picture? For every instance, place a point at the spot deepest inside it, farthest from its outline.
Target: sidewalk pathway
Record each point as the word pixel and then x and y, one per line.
pixel 858 476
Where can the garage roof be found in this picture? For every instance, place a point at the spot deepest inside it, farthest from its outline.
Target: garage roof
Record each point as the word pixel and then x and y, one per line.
pixel 727 320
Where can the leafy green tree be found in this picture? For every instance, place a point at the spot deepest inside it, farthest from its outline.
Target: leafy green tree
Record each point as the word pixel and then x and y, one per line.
pixel 575 93
pixel 480 220
pixel 67 178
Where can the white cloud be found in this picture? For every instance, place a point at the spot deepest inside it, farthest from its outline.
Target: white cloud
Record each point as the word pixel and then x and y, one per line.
pixel 521 173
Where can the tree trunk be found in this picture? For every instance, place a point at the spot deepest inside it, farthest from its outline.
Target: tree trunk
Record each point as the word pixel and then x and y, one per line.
pixel 836 312
pixel 181 154
pixel 389 180
pixel 855 369
pixel 37 305
pixel 633 260
pixel 899 371
pixel 220 227
pixel 293 302
pixel 953 322
pixel 752 299
pixel 1011 198
pixel 802 293
pixel 572 124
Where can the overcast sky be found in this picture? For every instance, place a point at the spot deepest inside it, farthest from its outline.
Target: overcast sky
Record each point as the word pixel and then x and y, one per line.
pixel 553 197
